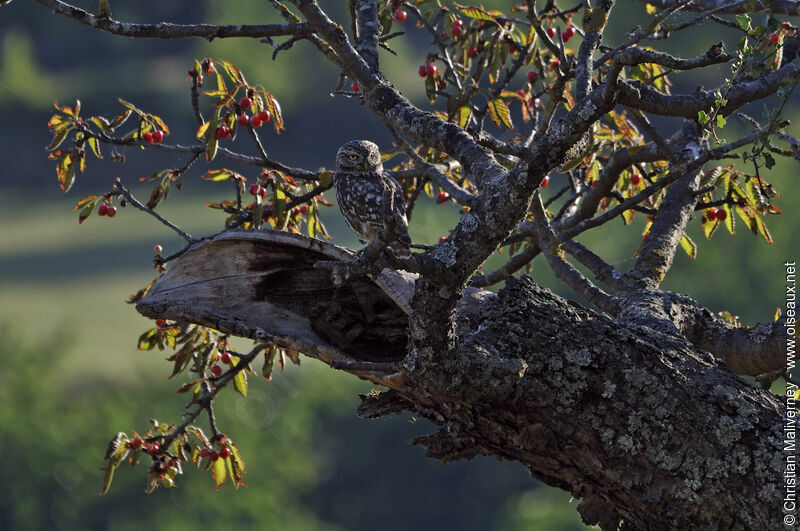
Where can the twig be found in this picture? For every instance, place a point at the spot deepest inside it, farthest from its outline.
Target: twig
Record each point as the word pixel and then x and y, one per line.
pixel 119 189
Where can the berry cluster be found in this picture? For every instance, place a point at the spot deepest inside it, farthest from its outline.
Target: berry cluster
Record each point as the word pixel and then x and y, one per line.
pixel 154 137
pixel 428 70
pixel 258 190
pixel 106 210
pixel 717 214
pixel 222 359
pixel 213 455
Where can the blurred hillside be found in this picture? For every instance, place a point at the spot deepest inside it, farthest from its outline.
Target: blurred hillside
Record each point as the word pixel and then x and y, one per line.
pixel 72 374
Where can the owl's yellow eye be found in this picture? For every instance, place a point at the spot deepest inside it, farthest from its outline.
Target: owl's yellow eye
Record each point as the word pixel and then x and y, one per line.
pixel 352 157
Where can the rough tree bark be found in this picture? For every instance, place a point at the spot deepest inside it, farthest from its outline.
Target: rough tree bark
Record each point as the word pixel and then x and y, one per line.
pixel 634 420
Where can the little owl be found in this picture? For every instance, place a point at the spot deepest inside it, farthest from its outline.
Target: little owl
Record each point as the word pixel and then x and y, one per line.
pixel 362 187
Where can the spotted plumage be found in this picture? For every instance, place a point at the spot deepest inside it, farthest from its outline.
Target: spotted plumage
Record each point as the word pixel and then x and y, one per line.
pixel 363 189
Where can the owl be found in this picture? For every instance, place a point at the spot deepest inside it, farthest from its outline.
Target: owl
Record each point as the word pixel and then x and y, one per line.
pixel 361 187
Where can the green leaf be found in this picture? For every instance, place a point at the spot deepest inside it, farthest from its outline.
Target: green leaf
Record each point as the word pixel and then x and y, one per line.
pixel 95 145
pixel 311 220
pixel 430 89
pixel 218 175
pixel 147 341
pixel 689 246
pixel 762 229
pixel 477 13
pixel 279 204
pixel 721 121
pixel 58 138
pixel 500 113
pixel 464 113
pixel 744 21
pixel 769 162
pixel 240 383
pixel 218 472
pixel 702 117
pixel 202 130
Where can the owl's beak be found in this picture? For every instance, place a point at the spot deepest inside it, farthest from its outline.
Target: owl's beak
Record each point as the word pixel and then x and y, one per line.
pixel 364 166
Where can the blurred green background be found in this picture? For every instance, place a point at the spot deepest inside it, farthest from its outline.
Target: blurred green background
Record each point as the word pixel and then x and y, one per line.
pixel 72 376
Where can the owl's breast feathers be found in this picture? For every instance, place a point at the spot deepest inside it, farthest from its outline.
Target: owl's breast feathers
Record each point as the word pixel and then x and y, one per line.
pixel 361 200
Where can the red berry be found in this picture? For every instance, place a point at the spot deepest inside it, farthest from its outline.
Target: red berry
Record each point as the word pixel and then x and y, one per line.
pixel 204 452
pixel 711 214
pixel 774 38
pixel 262 192
pixel 442 239
pixel 199 79
pixel 254 189
pixel 457 28
pixel 636 179
pixel 644 238
pixel 225 358
pixel 245 103
pixel 148 137
pixel 102 210
pixel 216 370
pixel 532 76
pixel 213 455
pixel 354 87
pixel 400 16
pixel 545 182
pixel 537 102
pixel 442 197
pixel 158 249
pixel 554 64
pixel 136 442
pixel 160 322
pixel 303 209
pixel 423 70
pixel 255 121
pixel 265 116
pixel 521 93
pixel 243 119
pixel 158 136
pixel 551 32
pixel 152 450
pixel 221 132
pixel 722 215
pixel 512 48
pixel 208 66
pixel 112 211
pixel 224 452
pixel 431 70
pixel 567 34
pixel 472 52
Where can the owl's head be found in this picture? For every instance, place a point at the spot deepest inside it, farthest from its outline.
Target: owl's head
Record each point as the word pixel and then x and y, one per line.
pixel 358 156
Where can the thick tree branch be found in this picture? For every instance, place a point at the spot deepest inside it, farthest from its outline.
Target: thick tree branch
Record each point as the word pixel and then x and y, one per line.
pixel 166 30
pixel 648 99
pixel 783 7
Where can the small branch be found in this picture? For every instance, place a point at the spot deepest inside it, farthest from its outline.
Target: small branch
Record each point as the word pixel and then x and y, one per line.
pixel 563 270
pixel 119 189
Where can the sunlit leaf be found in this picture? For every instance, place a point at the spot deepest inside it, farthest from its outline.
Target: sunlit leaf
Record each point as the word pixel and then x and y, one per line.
pixel 500 113
pixel 689 246
pixel 240 383
pixel 218 175
pixel 58 138
pixel 94 144
pixel 477 13
pixel 218 472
